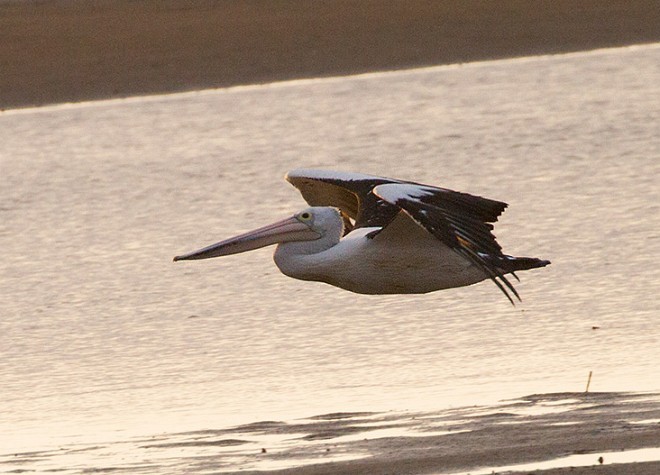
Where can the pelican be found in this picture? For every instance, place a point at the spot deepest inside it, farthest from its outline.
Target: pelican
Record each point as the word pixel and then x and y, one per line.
pixel 374 235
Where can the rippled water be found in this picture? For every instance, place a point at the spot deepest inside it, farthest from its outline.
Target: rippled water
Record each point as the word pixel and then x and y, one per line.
pixel 103 337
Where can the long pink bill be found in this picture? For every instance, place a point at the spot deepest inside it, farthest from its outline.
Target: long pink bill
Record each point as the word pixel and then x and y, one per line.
pixel 290 229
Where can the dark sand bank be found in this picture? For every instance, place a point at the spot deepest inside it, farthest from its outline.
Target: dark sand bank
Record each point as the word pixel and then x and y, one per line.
pixel 71 50
pixel 472 439
pixel 534 429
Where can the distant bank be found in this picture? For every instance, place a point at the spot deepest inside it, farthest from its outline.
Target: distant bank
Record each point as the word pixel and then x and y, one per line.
pixel 71 50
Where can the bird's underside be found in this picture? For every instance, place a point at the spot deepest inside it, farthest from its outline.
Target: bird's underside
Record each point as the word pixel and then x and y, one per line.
pixel 401 258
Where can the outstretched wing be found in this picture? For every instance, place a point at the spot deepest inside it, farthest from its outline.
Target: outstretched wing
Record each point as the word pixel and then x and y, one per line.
pixel 459 220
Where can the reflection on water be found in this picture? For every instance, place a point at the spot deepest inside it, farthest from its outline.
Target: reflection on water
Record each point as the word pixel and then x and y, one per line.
pixel 103 338
pixel 577 460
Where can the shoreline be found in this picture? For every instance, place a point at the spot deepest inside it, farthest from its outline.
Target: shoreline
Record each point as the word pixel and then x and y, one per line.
pixel 157 96
pixel 610 433
pixel 61 51
pixel 534 430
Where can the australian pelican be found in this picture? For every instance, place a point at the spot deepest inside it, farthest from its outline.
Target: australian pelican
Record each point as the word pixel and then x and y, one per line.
pixel 374 235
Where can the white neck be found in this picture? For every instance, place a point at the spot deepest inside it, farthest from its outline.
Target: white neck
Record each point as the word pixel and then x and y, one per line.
pixel 297 258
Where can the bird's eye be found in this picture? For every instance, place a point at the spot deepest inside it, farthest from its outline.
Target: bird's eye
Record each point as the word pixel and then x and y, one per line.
pixel 305 216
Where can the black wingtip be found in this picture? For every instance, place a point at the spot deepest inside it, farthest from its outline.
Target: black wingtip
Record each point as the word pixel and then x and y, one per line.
pixel 493 273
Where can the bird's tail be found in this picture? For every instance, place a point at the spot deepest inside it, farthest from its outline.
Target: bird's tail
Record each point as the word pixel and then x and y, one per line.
pixel 510 264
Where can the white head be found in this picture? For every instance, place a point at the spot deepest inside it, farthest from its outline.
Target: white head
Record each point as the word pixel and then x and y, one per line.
pixel 326 222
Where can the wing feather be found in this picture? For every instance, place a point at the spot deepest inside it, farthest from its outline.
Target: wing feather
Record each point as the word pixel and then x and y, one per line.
pixel 350 192
pixel 460 220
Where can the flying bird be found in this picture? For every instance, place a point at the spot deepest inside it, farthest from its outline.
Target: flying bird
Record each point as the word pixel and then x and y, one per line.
pixel 374 235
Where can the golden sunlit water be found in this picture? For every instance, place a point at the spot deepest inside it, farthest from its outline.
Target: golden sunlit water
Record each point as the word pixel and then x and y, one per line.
pixel 103 338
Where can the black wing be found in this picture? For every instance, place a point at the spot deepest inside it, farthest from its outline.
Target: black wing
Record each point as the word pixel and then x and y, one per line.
pixel 460 220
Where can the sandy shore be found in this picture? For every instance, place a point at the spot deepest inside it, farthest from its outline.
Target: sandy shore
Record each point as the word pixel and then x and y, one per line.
pixel 71 50
pixel 603 433
pixel 531 430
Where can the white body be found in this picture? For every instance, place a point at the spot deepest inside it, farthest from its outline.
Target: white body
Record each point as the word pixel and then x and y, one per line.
pixel 402 259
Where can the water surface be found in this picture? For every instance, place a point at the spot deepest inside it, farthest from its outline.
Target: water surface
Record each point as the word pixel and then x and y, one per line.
pixel 102 337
